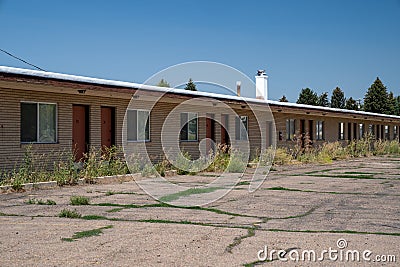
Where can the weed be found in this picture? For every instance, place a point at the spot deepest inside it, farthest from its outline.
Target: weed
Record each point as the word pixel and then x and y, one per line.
pixel 79 200
pixel 110 193
pixel 237 163
pixel 148 170
pixel 85 234
pixel 50 202
pixel 94 217
pixel 238 240
pixel 115 210
pixel 66 213
pixel 191 191
pixel 31 201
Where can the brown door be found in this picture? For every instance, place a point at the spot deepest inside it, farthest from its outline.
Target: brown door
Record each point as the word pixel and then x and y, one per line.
pixel 79 130
pixel 107 126
pixel 210 132
pixel 311 129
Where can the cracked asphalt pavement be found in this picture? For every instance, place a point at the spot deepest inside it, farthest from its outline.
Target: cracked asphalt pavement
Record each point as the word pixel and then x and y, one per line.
pixel 298 207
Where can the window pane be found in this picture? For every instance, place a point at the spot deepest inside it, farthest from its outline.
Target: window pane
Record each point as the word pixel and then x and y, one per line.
pixel 320 129
pixel 28 122
pixel 184 126
pixel 142 117
pixel 47 123
pixel 132 125
pixel 292 130
pixel 237 128
pixel 243 128
pixel 192 129
pixel 147 133
pixel 287 129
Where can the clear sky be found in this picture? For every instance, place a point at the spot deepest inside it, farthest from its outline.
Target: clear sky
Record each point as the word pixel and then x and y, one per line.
pixel 301 43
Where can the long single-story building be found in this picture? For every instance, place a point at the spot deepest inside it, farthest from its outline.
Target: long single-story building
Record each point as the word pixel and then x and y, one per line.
pixel 54 112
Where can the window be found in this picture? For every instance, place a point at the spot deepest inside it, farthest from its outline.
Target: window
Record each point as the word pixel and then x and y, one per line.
pixel 341 131
pixel 188 127
pixel 349 131
pixel 241 127
pixel 320 130
pixel 138 125
pixel 38 123
pixel 290 129
pixel 361 130
pixel 371 129
pixel 387 132
pixel 395 132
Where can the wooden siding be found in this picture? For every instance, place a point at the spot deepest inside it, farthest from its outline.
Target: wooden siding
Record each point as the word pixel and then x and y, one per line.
pixel 13 92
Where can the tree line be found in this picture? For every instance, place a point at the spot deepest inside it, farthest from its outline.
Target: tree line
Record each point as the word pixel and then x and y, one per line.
pixel 377 99
pixel 190 85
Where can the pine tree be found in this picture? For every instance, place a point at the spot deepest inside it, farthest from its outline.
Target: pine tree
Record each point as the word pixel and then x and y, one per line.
pixel 190 85
pixel 163 83
pixel 391 104
pixel 323 100
pixel 338 100
pixel 283 99
pixel 351 104
pixel 376 98
pixel 308 97
pixel 397 108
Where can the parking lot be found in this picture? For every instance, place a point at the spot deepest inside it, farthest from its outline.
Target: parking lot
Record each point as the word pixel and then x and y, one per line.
pixel 348 205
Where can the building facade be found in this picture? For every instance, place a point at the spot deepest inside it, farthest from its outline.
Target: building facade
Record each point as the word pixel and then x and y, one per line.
pixel 58 112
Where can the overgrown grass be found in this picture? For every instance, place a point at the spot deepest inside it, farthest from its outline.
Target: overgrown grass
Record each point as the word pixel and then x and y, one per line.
pixel 328 152
pixel 66 213
pixel 85 234
pixel 188 192
pixel 60 166
pixel 79 200
pixel 40 201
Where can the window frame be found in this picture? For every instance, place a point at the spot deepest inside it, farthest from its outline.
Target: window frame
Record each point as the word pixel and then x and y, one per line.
pixel 137 128
pixel 395 132
pixel 319 136
pixel 246 126
pixel 38 103
pixel 288 129
pixel 187 123
pixel 342 131
pixel 386 132
pixel 361 130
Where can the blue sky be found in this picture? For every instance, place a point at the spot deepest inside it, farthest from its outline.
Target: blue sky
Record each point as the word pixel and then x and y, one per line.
pixel 309 43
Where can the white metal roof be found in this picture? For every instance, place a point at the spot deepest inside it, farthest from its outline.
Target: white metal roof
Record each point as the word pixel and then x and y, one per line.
pixel 83 79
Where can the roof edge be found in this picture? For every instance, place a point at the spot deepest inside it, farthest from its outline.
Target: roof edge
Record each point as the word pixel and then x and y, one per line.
pixel 116 83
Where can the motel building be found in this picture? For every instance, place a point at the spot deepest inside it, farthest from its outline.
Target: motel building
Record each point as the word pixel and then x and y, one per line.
pixel 59 112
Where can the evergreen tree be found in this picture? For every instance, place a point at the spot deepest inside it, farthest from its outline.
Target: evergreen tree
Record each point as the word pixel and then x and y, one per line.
pixel 351 104
pixel 376 98
pixel 323 100
pixel 190 85
pixel 391 104
pixel 163 83
pixel 397 107
pixel 283 99
pixel 308 97
pixel 338 100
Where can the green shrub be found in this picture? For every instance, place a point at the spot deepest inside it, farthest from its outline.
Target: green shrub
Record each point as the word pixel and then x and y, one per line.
pixel 237 163
pixel 282 157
